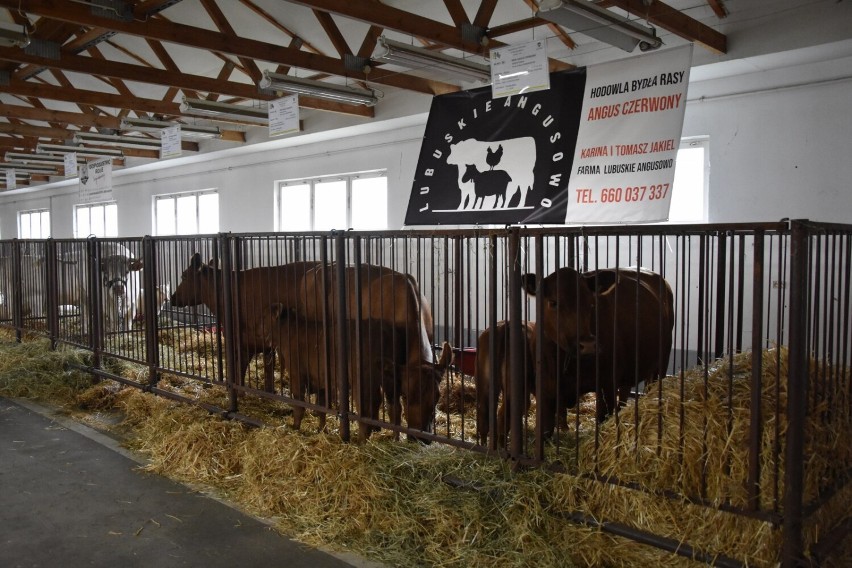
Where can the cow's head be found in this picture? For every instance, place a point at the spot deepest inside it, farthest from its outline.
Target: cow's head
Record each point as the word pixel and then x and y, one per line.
pixel 190 289
pixel 115 270
pixel 569 307
pixel 420 390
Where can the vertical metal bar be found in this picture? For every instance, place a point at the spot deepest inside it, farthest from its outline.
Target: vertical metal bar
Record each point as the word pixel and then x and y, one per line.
pixel 359 345
pixel 228 315
pixel 17 291
pixel 539 317
pixel 702 298
pixel 516 372
pixel 738 342
pixel 492 342
pixel 150 307
pixel 52 293
pixel 797 389
pixel 96 336
pixel 755 429
pixel 721 302
pixel 342 340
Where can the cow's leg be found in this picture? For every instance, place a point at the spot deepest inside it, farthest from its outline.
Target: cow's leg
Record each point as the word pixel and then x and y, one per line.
pixel 297 392
pixel 269 370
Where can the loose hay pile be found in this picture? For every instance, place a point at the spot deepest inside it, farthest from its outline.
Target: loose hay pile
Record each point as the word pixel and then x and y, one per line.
pixel 410 505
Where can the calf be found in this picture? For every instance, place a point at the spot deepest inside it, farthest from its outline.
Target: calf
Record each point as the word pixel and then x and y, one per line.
pixel 491 380
pixel 614 326
pixel 393 298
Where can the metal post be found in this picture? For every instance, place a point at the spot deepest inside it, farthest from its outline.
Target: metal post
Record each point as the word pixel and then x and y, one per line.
pixel 342 326
pixel 797 394
pixel 149 284
pixel 755 429
pixel 52 293
pixel 492 342
pixel 516 348
pixel 232 350
pixel 17 291
pixel 96 312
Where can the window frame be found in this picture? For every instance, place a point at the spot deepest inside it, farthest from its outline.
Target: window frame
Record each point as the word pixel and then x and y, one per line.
pixel 89 206
pixel 280 186
pixel 175 196
pixel 28 213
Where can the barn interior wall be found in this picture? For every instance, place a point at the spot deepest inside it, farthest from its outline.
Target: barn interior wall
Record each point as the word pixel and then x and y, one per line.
pixel 777 151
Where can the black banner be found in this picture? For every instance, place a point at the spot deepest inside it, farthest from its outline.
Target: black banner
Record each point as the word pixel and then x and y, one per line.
pixel 498 161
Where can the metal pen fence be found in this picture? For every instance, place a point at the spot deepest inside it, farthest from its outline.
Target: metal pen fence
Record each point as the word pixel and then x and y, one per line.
pixel 760 334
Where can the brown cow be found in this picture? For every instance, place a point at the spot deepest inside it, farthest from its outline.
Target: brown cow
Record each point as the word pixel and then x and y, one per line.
pixel 393 298
pixel 488 379
pixel 253 291
pixel 301 344
pixel 618 321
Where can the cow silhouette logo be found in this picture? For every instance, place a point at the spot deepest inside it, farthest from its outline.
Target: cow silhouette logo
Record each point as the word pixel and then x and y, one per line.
pixel 497 161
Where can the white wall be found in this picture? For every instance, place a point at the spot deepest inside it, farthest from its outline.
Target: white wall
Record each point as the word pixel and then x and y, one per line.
pixel 777 149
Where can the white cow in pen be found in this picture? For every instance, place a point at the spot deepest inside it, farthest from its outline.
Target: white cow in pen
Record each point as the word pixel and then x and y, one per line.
pixel 517 158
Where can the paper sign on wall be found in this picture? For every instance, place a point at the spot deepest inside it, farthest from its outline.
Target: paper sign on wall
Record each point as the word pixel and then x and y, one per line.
pixel 284 115
pixel 170 142
pixel 70 164
pixel 520 68
pixel 96 181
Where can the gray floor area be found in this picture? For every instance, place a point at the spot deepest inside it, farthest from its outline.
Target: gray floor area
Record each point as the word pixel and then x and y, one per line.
pixel 69 496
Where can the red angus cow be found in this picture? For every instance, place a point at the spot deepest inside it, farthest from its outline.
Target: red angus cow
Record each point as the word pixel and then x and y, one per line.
pixel 253 292
pixel 393 298
pixel 302 346
pixel 488 378
pixel 618 321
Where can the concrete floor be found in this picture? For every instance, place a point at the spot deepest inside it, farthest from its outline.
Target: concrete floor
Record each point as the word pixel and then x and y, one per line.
pixel 71 496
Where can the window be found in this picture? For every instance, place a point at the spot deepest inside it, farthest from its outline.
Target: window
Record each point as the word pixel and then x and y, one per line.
pixel 187 213
pixel 357 201
pixel 96 219
pixel 34 224
pixel 691 180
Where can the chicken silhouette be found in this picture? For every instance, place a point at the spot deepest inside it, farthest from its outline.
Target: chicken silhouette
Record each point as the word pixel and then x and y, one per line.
pixel 493 158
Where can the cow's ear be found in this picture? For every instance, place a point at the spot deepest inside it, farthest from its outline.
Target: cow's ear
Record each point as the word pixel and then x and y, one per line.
pixel 529 283
pixel 136 264
pixel 195 262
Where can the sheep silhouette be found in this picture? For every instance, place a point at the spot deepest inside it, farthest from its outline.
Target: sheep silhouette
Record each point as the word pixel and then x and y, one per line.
pixel 490 182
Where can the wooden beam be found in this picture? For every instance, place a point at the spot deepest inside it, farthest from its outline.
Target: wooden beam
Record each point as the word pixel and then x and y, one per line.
pixel 131 72
pixel 157 28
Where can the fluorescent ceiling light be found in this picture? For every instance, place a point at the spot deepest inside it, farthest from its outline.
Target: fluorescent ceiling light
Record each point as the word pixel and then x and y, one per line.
pixel 215 110
pixel 80 150
pixel 330 91
pixel 29 168
pixel 44 159
pixel 186 130
pixel 417 57
pixel 599 23
pixel 115 140
pixel 13 35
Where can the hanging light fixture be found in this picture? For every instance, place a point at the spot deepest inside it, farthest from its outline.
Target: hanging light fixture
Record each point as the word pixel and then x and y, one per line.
pixel 215 110
pixel 417 57
pixel 83 151
pixel 599 23
pixel 116 140
pixel 186 130
pixel 319 89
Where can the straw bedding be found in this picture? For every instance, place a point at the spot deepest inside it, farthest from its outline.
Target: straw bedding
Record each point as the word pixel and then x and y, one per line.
pixel 410 505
